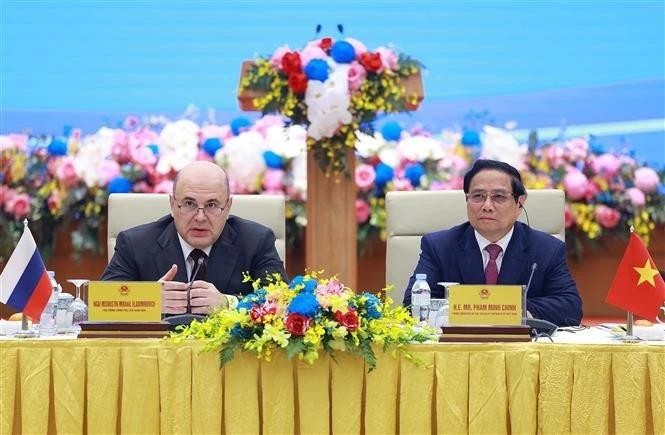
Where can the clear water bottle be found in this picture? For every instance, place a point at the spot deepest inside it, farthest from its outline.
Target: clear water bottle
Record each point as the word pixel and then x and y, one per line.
pixel 420 298
pixel 47 321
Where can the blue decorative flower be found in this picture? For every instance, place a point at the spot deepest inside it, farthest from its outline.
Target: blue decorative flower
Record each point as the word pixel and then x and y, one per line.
pixel 119 185
pixel 317 69
pixel 372 306
pixel 343 52
pixel 297 280
pixel 67 130
pixel 596 146
pixel 273 160
pixel 391 131
pixel 239 124
pixel 154 148
pixel 304 304
pixel 57 147
pixel 244 333
pixel 245 303
pixel 384 174
pixel 211 145
pixel 414 172
pixel 470 137
pixel 310 285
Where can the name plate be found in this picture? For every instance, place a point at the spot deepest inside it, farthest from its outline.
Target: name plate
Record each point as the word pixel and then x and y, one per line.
pixel 485 305
pixel 124 301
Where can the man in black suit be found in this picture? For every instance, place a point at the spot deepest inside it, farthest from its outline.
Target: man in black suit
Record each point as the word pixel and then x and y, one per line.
pixel 199 226
pixel 493 248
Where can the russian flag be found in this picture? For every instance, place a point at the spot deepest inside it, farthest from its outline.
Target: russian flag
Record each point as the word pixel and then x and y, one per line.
pixel 24 283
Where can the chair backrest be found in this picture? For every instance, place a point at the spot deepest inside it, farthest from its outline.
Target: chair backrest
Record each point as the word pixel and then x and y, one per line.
pixel 410 215
pixel 127 210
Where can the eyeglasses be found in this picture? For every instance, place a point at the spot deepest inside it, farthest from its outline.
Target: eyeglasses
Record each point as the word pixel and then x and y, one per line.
pixel 495 197
pixel 189 206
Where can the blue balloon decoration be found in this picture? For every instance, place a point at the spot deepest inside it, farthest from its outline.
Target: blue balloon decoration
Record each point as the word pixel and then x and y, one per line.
pixel 239 124
pixel 384 174
pixel 273 160
pixel 343 52
pixel 470 137
pixel 57 147
pixel 317 69
pixel 154 148
pixel 413 172
pixel 119 185
pixel 391 131
pixel 211 145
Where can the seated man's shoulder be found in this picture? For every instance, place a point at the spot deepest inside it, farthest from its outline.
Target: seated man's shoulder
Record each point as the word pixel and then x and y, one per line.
pixel 150 230
pixel 448 234
pixel 246 226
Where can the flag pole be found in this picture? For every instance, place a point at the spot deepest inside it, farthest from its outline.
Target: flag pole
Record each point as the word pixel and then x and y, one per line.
pixel 629 337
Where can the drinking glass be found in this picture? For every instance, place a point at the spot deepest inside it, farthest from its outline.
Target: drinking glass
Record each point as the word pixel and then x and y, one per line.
pixel 78 308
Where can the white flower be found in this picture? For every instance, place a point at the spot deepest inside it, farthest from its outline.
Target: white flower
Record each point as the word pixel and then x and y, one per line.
pixel 390 157
pixel 242 157
pixel 328 103
pixel 420 148
pixel 501 145
pixel 287 142
pixel 94 149
pixel 179 145
pixel 367 145
pixel 299 173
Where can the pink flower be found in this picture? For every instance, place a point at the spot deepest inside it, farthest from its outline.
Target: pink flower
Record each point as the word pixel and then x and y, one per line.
pixel 607 217
pixel 6 194
pixel 108 170
pixel 402 184
pixel 143 156
pixel 334 287
pixel 222 132
pixel 273 180
pixel 76 134
pixel 18 205
pixel 577 149
pixel 365 176
pixel 554 156
pixel 575 184
pixel 358 46
pixel 568 217
pixel 266 122
pixel 357 76
pixel 142 187
pixel 276 59
pixel 18 141
pixel 388 58
pixel 54 200
pixel 164 186
pixel 311 52
pixel 606 165
pixel 363 211
pixel 131 122
pixel 439 185
pixel 66 171
pixel 635 196
pixel 646 179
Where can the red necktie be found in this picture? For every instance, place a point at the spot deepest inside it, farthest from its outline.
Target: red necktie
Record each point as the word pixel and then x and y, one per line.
pixel 492 270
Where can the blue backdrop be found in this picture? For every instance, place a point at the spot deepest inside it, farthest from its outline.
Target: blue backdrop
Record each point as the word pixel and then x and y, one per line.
pixel 543 64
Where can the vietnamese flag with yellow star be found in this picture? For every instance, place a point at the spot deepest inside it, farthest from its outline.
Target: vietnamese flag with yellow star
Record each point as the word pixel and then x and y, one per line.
pixel 638 286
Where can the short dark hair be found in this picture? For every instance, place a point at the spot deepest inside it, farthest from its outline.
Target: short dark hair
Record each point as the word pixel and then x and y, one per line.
pixel 481 165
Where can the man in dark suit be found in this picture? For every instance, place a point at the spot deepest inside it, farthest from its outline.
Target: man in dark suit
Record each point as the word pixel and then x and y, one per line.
pixel 199 226
pixel 493 248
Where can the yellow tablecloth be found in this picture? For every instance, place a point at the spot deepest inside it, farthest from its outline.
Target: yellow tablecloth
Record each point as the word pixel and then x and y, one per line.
pixel 150 386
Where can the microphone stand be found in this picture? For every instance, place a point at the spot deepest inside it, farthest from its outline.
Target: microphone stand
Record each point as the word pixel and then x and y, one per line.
pixel 188 317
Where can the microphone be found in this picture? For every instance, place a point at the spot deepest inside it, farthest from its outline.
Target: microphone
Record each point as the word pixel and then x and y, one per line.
pixel 534 266
pixel 188 317
pixel 197 267
pixel 539 327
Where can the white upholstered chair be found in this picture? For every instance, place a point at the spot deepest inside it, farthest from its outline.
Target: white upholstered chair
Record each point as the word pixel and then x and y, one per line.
pixel 127 210
pixel 410 215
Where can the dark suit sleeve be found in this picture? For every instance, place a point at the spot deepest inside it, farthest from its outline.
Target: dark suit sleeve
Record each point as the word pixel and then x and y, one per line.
pixel 428 264
pixel 267 261
pixel 559 302
pixel 123 266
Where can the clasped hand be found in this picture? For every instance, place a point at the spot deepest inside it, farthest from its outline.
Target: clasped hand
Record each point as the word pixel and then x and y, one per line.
pixel 204 296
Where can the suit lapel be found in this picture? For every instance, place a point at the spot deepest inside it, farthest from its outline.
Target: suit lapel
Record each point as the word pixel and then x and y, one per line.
pixel 223 259
pixel 170 253
pixel 470 260
pixel 515 261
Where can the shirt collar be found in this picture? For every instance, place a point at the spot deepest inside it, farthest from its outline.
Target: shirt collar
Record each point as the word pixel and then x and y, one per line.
pixel 503 242
pixel 187 248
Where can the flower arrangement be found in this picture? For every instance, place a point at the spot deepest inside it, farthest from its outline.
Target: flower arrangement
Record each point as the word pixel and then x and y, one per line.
pixel 303 317
pixel 58 180
pixel 335 89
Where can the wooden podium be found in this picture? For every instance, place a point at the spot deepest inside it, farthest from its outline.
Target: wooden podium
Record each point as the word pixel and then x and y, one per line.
pixel 331 232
